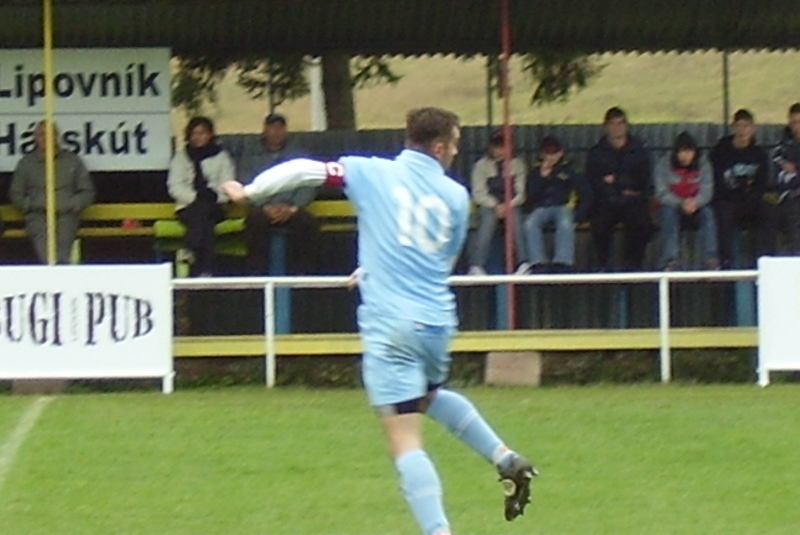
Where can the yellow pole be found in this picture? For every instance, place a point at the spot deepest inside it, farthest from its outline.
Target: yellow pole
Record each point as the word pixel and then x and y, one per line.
pixel 49 158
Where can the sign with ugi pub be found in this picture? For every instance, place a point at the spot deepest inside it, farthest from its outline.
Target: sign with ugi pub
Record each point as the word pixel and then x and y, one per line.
pixel 112 106
pixel 67 322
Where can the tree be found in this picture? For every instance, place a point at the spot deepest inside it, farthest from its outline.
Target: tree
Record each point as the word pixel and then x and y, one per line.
pixel 554 76
pixel 281 78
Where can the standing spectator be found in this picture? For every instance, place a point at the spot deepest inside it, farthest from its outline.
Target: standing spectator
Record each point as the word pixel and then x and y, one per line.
pixel 551 184
pixel 741 174
pixel 786 164
pixel 684 186
pixel 287 210
pixel 619 170
pixel 74 191
pixel 488 193
pixel 195 176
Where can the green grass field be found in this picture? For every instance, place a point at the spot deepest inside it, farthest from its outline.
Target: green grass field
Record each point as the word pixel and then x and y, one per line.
pixel 613 460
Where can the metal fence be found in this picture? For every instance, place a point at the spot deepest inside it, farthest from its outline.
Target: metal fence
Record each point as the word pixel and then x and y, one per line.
pixel 663 280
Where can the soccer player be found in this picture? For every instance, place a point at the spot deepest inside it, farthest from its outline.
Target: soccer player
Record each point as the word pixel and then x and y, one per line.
pixel 412 222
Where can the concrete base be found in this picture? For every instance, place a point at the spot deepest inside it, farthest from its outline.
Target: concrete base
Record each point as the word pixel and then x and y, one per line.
pixel 39 386
pixel 517 368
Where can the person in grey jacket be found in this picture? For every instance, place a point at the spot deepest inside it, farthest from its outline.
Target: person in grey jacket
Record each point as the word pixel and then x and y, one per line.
pixel 488 193
pixel 684 186
pixel 195 176
pixel 74 191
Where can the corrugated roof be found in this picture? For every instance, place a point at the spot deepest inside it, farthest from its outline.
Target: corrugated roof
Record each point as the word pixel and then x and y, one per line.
pixel 406 27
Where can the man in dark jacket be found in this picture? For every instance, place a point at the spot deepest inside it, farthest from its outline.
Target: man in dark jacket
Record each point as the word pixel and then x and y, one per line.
pixel 741 174
pixel 786 167
pixel 620 173
pixel 286 210
pixel 549 192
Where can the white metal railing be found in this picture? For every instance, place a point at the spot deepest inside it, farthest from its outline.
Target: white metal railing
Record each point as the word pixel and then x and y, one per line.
pixel 663 279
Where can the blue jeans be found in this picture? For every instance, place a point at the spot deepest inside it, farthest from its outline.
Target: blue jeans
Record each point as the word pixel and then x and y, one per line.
pixel 703 218
pixel 561 218
pixel 487 225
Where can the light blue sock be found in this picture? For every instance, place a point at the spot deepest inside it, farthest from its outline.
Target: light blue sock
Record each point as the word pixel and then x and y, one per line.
pixel 422 489
pixel 459 416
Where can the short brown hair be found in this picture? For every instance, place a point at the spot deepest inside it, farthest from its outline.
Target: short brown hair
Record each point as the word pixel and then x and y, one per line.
pixel 614 113
pixel 424 126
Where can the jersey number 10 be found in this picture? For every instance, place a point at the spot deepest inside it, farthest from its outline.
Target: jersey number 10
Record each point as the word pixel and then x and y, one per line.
pixel 423 223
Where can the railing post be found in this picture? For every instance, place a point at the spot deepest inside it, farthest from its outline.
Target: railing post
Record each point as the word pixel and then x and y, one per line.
pixel 663 328
pixel 502 296
pixel 278 267
pixel 269 333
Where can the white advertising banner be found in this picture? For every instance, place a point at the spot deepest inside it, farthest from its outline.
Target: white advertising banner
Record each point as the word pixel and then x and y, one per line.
pixel 112 106
pixel 778 316
pixel 68 322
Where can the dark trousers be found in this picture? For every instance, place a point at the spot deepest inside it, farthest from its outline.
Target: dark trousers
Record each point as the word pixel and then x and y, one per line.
pixel 788 222
pixel 748 213
pixel 67 224
pixel 302 244
pixel 637 230
pixel 199 219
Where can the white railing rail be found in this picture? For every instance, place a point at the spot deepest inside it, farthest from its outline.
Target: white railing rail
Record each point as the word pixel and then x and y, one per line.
pixel 663 279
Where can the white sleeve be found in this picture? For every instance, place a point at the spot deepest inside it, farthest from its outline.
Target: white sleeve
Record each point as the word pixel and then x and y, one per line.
pixel 287 176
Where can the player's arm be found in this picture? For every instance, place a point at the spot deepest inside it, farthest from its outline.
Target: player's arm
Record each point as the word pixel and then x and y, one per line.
pixel 460 228
pixel 287 176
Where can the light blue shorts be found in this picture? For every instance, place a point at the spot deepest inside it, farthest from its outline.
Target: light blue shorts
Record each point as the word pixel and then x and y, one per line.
pixel 402 358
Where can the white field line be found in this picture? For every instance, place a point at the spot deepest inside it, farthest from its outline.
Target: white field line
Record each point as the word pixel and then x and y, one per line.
pixel 13 443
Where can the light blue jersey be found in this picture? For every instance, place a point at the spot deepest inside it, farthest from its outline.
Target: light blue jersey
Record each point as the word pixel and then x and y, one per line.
pixel 412 222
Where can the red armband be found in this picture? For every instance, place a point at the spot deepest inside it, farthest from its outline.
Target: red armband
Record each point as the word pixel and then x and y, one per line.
pixel 334 175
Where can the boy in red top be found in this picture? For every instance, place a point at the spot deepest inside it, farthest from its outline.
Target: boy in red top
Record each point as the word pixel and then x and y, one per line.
pixel 684 186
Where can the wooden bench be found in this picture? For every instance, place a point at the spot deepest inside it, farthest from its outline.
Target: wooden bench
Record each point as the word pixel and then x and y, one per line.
pixel 157 220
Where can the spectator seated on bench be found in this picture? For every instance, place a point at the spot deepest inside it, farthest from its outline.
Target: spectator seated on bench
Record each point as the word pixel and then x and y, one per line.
pixel 283 218
pixel 552 182
pixel 489 196
pixel 74 191
pixel 684 185
pixel 195 176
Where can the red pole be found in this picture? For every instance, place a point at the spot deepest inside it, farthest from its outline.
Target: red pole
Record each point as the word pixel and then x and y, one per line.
pixel 508 142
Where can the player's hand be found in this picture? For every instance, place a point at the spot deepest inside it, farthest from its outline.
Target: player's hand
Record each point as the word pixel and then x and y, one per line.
pixel 234 190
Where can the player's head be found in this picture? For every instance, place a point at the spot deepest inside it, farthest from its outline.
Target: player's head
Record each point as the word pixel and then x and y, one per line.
pixel 435 132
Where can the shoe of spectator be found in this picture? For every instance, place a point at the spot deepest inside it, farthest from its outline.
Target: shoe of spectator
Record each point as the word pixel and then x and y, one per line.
pixel 539 269
pixel 672 265
pixel 184 258
pixel 558 267
pixel 523 268
pixel 712 264
pixel 477 271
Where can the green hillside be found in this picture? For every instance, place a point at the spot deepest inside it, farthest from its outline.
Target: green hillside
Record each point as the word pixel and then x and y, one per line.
pixel 651 87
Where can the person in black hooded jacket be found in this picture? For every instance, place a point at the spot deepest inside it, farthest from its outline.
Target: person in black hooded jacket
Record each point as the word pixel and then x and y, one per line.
pixel 786 167
pixel 741 175
pixel 619 170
